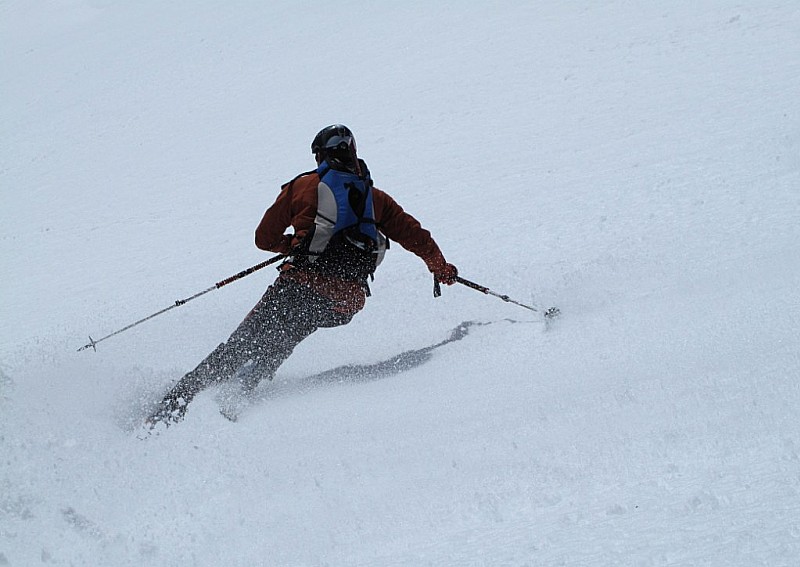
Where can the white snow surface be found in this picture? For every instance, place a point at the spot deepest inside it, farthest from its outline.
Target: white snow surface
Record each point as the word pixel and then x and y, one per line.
pixel 636 164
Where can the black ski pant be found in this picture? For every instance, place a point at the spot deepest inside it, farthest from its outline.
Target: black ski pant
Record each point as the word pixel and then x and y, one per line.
pixel 287 313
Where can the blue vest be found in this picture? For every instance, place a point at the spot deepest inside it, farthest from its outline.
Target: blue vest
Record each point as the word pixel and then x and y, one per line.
pixel 337 195
pixel 345 240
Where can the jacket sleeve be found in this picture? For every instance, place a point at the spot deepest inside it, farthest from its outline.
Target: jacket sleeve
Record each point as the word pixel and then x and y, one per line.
pixel 269 233
pixel 294 207
pixel 404 229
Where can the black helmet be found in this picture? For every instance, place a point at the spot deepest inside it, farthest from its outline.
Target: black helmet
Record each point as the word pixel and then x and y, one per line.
pixel 337 145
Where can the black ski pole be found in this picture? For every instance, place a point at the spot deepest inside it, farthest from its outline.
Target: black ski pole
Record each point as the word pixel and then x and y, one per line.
pixel 549 313
pixel 178 303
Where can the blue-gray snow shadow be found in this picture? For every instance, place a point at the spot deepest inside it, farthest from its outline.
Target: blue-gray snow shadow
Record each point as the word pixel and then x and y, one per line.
pixel 360 373
pixel 395 365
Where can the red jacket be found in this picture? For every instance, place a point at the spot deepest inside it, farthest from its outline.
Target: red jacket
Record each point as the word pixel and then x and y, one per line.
pixel 296 206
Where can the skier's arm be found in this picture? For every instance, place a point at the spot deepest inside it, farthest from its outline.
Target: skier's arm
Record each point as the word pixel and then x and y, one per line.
pixel 294 206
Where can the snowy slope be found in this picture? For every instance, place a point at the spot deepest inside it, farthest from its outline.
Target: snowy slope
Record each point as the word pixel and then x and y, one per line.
pixel 636 164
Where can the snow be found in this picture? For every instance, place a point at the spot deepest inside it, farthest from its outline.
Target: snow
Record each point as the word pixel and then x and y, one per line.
pixel 635 164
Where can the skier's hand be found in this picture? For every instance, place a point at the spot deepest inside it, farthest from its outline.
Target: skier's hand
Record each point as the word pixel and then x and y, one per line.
pixel 282 246
pixel 446 274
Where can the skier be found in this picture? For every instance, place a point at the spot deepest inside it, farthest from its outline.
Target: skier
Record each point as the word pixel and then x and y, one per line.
pixel 341 225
